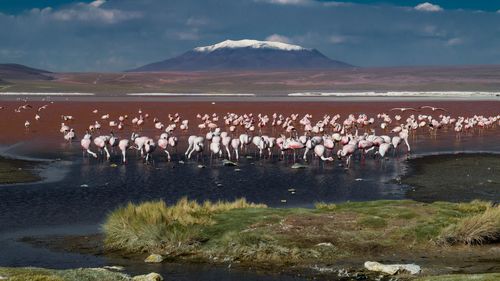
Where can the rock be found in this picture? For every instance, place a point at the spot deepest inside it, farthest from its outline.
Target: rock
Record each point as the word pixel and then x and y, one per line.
pixel 201 166
pixel 3 278
pixel 226 162
pixel 154 258
pixel 84 185
pixel 148 277
pixel 392 269
pixel 113 165
pixel 114 267
pixel 299 166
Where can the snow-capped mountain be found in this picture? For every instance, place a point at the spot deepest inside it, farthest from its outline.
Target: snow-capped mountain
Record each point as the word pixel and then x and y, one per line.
pixel 246 43
pixel 246 55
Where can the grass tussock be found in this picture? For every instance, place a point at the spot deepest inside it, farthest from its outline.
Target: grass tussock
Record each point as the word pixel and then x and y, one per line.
pixel 325 206
pixel 156 226
pixel 79 274
pixel 476 229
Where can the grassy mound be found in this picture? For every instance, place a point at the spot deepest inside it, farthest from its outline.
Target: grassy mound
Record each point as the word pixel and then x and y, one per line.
pixel 244 232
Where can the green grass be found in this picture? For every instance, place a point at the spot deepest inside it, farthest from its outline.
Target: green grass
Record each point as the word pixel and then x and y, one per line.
pixel 250 233
pixel 462 277
pixel 80 274
pixel 17 171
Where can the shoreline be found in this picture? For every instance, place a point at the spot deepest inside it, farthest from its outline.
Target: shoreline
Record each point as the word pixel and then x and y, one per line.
pixel 307 96
pixel 17 171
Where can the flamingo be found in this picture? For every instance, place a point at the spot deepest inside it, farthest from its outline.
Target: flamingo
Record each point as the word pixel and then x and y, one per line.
pixel 197 146
pixel 235 144
pixel 85 143
pixel 347 151
pixel 319 150
pixel 149 148
pixel 101 142
pixel 123 145
pixel 70 135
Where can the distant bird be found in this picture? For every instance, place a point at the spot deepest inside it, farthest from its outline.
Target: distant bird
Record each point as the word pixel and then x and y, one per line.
pixel 403 109
pixel 433 108
pixel 42 107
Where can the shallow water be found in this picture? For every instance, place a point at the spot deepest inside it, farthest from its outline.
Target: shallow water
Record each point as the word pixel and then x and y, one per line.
pixel 78 193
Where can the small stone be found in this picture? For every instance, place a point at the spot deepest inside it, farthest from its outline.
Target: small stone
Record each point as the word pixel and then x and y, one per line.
pixel 299 166
pixel 114 267
pixel 392 269
pixel 201 166
pixel 226 162
pixel 181 162
pixel 113 165
pixel 283 200
pixel 291 190
pixel 3 278
pixel 148 277
pixel 84 185
pixel 359 179
pixel 154 258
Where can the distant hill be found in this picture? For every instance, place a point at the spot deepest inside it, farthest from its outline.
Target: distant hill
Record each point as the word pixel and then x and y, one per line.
pixel 12 71
pixel 246 55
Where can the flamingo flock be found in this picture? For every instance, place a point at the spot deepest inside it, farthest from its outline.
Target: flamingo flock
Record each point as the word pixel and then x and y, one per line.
pixel 301 137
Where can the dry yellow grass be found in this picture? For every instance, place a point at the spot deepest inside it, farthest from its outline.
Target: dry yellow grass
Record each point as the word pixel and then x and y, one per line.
pixel 475 230
pixel 150 225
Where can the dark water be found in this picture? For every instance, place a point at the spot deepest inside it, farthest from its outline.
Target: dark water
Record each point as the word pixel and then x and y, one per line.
pixel 80 192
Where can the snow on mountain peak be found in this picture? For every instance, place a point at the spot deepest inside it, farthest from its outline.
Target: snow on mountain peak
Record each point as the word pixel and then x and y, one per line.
pixel 246 43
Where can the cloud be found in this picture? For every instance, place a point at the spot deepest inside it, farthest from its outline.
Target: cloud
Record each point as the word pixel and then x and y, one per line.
pixel 287 2
pixel 337 39
pixel 428 7
pixel 337 4
pixel 97 3
pixel 92 12
pixel 278 38
pixel 454 42
pixel 193 21
pixel 133 33
pixel 189 35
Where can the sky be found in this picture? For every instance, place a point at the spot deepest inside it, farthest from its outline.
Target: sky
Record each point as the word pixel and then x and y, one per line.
pixel 114 35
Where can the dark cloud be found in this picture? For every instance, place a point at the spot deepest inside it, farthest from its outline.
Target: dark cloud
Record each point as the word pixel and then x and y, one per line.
pixel 116 35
